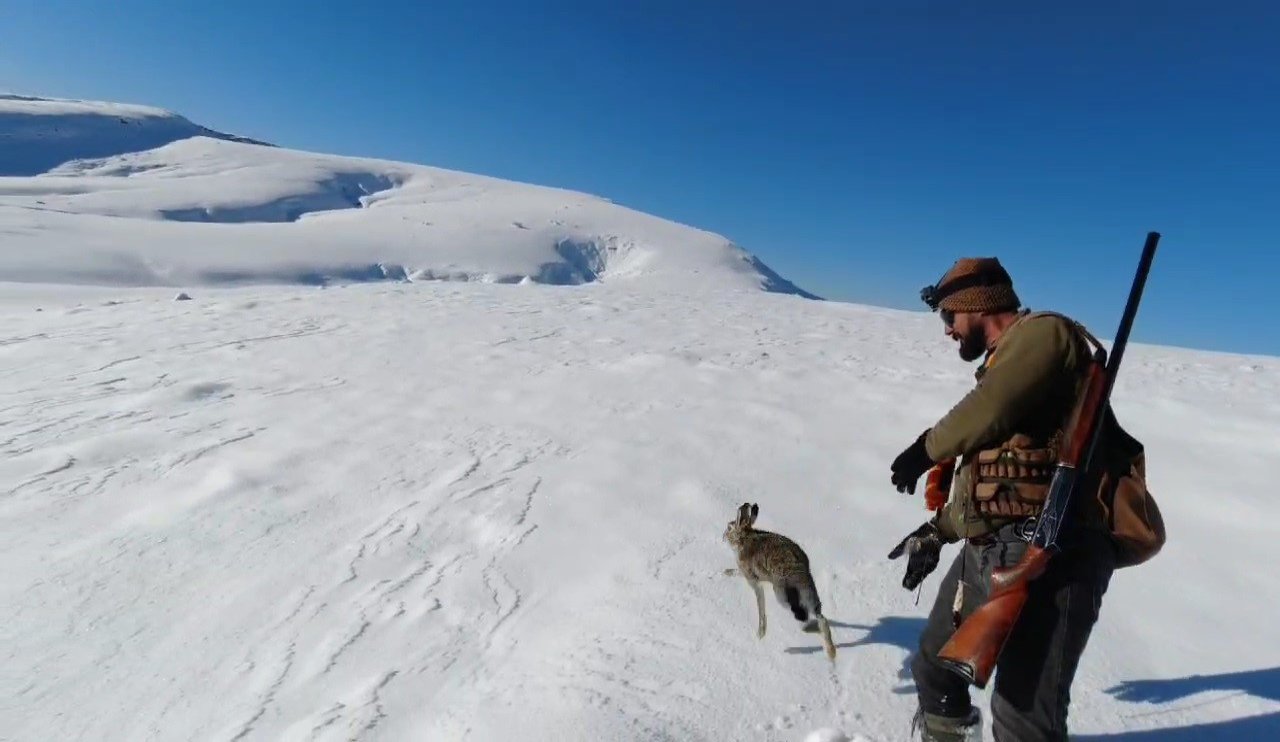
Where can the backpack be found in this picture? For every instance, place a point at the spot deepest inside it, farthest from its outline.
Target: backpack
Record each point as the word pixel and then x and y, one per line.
pixel 1121 504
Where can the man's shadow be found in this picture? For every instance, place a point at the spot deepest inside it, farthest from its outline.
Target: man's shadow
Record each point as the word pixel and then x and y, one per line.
pixel 1260 683
pixel 897 631
pixel 1263 683
pixel 1262 726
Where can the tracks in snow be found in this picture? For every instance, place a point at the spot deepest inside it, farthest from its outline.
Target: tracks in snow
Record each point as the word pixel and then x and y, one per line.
pixel 418 601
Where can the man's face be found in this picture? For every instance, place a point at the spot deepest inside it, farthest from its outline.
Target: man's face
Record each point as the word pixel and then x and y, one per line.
pixel 964 328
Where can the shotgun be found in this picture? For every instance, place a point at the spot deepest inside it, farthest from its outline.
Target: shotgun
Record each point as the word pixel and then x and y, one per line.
pixel 973 649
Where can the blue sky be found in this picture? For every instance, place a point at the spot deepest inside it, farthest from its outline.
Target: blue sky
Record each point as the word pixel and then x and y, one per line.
pixel 856 147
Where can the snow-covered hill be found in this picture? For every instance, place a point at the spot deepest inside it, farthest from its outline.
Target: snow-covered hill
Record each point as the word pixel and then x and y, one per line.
pixel 177 205
pixel 37 134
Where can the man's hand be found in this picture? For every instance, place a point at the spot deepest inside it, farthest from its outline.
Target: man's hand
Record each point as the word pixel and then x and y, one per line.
pixel 909 465
pixel 923 547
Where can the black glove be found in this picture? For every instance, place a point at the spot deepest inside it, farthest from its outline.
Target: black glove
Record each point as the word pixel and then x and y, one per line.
pixel 923 546
pixel 909 465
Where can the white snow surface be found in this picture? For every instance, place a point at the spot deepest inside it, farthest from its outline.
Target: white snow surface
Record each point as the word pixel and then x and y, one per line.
pixel 464 511
pixel 184 206
pixel 39 133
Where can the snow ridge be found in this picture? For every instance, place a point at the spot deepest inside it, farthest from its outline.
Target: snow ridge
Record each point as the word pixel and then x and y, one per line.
pixel 37 134
pixel 113 194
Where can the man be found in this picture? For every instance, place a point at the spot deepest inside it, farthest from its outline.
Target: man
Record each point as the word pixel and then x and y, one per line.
pixel 1005 434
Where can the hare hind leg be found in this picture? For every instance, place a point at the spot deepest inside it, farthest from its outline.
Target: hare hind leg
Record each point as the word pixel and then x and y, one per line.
pixel 828 645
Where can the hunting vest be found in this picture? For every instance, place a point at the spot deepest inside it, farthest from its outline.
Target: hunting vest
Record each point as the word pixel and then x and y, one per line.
pixel 1011 478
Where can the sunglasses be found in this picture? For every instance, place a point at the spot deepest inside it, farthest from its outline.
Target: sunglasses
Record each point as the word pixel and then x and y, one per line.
pixel 948 317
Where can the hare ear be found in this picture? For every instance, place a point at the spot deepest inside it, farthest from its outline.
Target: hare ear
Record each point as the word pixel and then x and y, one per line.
pixel 744 514
pixel 755 510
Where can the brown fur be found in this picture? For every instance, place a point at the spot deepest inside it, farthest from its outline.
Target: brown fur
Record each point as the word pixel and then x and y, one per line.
pixel 769 557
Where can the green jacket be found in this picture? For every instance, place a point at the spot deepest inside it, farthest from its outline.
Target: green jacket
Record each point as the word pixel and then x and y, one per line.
pixel 1026 387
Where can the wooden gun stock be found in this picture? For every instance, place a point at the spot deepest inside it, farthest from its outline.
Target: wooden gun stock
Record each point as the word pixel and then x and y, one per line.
pixel 973 649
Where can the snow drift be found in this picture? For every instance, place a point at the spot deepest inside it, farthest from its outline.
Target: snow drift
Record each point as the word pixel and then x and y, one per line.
pixel 171 203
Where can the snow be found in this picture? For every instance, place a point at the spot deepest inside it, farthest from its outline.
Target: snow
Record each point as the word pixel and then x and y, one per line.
pixel 39 133
pixel 200 210
pixel 410 509
pixel 472 511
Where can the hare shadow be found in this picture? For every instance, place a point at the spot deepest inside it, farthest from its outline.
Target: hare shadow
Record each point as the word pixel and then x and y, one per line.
pixel 897 631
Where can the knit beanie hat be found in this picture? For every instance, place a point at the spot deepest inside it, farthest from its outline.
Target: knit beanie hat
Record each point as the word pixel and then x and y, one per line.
pixel 976 285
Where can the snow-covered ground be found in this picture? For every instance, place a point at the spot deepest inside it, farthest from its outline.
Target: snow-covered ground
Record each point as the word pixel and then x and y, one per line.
pixel 481 512
pixel 438 510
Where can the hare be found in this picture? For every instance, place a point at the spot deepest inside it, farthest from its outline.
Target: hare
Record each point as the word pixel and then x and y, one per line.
pixel 776 559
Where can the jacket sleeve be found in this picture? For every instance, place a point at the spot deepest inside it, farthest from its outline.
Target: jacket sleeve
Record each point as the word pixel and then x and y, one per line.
pixel 1035 356
pixel 944 521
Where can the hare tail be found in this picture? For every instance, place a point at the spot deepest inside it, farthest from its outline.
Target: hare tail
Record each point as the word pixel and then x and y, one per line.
pixel 797 606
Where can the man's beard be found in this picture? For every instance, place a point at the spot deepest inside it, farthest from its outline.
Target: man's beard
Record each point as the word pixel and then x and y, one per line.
pixel 972 346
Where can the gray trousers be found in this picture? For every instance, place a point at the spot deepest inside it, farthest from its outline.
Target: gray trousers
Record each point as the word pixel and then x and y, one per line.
pixel 1032 679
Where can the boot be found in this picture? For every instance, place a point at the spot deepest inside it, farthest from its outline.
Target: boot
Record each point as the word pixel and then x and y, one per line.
pixel 934 728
